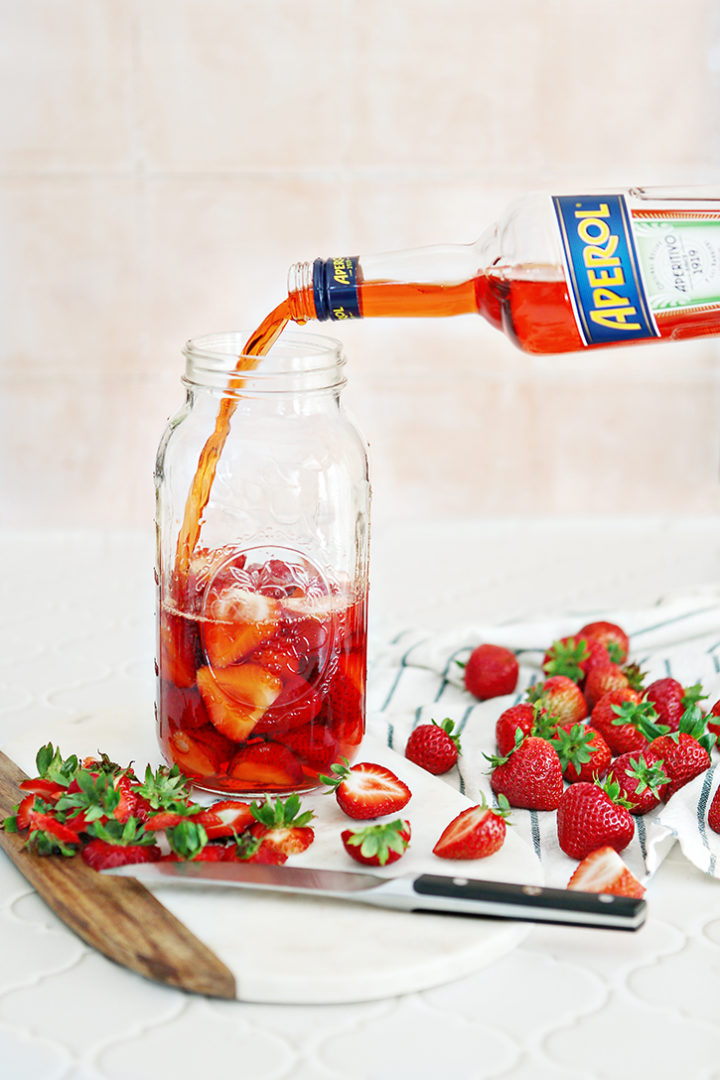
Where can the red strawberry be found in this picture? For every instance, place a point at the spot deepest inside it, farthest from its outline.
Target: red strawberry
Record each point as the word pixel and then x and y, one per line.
pixel 584 754
pixel 194 757
pixel 266 766
pixel 49 825
pixel 377 845
pixel 603 871
pixel 625 722
pixel 686 752
pixel 367 790
pixel 100 855
pixel 344 709
pixel 49 790
pixel 713 725
pixel 313 745
pixel 296 705
pixel 225 818
pixel 601 680
pixel 612 636
pixel 178 647
pixel 574 657
pixel 517 718
pixel 281 826
pixel 24 811
pixel 237 697
pixel 590 816
pixel 561 698
pixel 475 833
pixel 530 776
pixel 666 696
pixel 491 671
pixel 240 621
pixel 640 777
pixel 714 812
pixel 434 747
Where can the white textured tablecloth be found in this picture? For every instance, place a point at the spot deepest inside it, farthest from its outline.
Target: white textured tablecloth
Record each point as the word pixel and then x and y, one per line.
pixel 77 627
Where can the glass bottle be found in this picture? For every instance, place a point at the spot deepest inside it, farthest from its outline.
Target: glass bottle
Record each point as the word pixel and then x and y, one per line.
pixel 555 274
pixel 261 617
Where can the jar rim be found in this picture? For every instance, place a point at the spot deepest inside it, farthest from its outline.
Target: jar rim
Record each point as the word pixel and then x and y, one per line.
pixel 295 361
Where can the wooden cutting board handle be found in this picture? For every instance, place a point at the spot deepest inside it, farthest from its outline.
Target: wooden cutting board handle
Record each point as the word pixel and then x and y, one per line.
pixel 117 916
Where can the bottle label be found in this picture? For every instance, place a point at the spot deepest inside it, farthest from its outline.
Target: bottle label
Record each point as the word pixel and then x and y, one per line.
pixel 603 269
pixel 680 258
pixel 335 288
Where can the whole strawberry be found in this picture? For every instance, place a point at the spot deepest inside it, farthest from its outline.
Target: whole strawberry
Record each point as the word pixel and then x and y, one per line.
pixel 491 671
pixel 475 833
pixel 584 754
pixel 573 657
pixel 529 776
pixel 686 752
pixel 606 677
pixel 592 815
pixel 517 718
pixel 625 721
pixel 641 779
pixel 714 812
pixel 671 699
pixel 612 636
pixel 561 698
pixel 434 747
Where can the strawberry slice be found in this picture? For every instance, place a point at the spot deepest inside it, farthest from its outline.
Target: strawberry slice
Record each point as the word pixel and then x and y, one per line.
pixel 194 757
pixel 603 871
pixel 367 790
pixel 475 833
pixel 297 704
pixel 179 646
pixel 24 811
pixel 100 855
pixel 49 790
pixel 225 818
pixel 266 766
pixel 237 697
pixel 377 845
pixel 50 825
pixel 241 620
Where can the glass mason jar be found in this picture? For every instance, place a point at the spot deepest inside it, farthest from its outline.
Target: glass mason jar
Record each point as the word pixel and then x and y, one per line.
pixel 262 568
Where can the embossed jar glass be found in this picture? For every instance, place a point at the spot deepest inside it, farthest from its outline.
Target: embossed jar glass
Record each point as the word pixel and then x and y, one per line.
pixel 261 620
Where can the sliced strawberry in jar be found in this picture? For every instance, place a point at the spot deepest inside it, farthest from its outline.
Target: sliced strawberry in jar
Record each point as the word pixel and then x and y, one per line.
pixel 194 757
pixel 296 705
pixel 239 621
pixel 280 661
pixel 237 697
pixel 314 746
pixel 179 648
pixel 182 707
pixel 265 766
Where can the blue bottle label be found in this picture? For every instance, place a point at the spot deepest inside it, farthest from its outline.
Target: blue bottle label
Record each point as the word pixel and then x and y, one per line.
pixel 335 288
pixel 603 269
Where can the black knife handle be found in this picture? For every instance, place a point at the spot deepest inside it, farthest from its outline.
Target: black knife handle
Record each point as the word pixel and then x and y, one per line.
pixel 536 903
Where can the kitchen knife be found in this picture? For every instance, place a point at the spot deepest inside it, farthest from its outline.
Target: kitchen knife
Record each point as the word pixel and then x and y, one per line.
pixel 119 918
pixel 424 892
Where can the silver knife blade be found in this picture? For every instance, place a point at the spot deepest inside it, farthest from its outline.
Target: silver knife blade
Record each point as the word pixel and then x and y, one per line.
pixel 410 892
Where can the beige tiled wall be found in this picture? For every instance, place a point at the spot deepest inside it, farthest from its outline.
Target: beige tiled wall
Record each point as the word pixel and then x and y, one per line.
pixel 162 162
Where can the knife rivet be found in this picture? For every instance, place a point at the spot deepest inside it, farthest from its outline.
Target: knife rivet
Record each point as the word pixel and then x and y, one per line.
pixel 532 890
pixel 604 898
pixel 460 881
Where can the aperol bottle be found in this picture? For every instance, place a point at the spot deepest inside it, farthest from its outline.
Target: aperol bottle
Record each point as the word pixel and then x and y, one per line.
pixel 555 274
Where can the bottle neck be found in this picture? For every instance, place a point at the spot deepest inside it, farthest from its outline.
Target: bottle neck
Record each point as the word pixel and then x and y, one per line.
pixel 426 282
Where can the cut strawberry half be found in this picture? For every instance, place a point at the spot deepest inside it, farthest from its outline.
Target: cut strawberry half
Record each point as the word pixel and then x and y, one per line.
pixel 266 766
pixel 297 704
pixel 475 833
pixel 225 818
pixel 49 790
pixel 367 790
pixel 603 871
pixel 237 697
pixel 194 757
pixel 240 621
pixel 313 745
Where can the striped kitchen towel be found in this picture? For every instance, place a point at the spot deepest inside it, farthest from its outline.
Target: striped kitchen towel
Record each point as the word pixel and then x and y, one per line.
pixel 416 677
